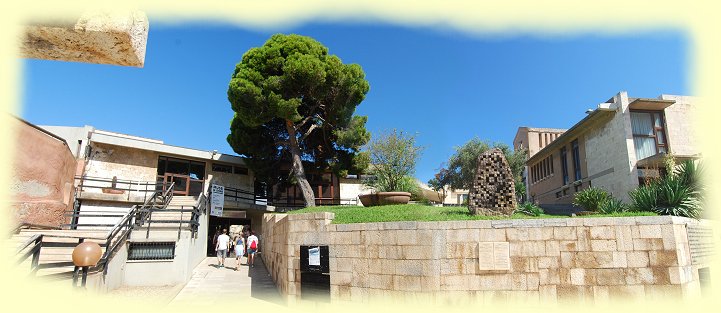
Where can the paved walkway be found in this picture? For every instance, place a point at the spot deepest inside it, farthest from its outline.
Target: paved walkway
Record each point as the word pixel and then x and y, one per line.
pixel 211 285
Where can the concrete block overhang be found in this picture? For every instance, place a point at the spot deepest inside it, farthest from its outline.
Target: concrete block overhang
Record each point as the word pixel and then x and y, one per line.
pixel 102 38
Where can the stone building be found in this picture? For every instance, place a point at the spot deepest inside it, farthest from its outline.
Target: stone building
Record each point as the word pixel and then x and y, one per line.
pixel 615 147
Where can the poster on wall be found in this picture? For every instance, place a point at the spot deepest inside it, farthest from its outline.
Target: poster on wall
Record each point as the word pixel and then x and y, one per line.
pixel 314 256
pixel 217 199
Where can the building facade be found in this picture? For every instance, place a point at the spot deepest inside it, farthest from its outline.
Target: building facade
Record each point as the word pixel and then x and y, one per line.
pixel 616 147
pixel 532 140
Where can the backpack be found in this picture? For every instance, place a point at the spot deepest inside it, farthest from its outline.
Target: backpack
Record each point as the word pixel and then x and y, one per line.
pixel 253 245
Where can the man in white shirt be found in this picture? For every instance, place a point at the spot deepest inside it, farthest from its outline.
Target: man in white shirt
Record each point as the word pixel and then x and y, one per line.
pixel 252 244
pixel 222 247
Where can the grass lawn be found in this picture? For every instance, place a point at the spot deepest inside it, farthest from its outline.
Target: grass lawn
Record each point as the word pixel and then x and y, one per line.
pixel 419 212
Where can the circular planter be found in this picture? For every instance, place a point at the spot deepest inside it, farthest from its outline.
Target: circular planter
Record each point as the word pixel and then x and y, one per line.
pixel 385 198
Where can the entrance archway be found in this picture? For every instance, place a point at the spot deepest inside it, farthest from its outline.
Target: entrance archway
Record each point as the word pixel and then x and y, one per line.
pixel 219 223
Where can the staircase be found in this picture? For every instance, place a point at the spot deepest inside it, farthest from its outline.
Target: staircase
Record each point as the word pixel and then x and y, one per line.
pixel 47 253
pixel 55 258
pixel 180 214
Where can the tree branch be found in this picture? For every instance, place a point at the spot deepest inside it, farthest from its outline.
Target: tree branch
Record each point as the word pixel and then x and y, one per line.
pixel 305 135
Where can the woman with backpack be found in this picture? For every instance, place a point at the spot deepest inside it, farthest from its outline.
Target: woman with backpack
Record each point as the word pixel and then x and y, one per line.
pixel 252 244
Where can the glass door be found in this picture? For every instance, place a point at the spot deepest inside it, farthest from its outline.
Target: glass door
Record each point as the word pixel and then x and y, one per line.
pixel 181 183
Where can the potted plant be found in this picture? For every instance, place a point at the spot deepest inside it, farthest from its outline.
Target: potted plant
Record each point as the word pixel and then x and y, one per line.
pixel 393 157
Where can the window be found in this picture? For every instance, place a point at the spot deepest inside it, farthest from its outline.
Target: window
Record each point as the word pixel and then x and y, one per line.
pixel 564 165
pixel 576 160
pixel 167 165
pixel 649 137
pixel 222 168
pixel 240 170
pixel 151 251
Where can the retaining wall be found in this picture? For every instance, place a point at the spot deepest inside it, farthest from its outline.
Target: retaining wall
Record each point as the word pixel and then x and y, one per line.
pixel 586 259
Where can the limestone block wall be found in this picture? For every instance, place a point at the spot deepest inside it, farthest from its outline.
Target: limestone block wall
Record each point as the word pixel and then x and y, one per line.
pixel 586 259
pixel 125 163
pixel 610 155
pixel 680 125
pixel 350 189
pixel 244 182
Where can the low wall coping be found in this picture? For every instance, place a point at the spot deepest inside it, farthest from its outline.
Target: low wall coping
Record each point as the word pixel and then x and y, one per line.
pixel 506 223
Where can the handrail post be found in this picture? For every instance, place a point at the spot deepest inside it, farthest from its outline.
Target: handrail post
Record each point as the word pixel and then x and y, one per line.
pixel 180 224
pixel 34 265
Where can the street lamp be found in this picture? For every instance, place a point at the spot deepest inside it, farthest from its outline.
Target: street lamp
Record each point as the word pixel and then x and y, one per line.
pixel 84 255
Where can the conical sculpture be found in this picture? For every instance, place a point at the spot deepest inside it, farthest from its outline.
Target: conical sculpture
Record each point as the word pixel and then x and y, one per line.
pixel 493 190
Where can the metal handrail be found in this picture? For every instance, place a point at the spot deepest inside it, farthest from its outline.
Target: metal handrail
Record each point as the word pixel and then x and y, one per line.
pixel 129 184
pixel 17 228
pixel 113 239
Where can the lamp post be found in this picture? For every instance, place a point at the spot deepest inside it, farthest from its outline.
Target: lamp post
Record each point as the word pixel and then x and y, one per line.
pixel 85 254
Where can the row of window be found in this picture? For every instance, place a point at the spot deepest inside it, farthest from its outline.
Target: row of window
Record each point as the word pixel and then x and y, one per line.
pixel 224 168
pixel 194 169
pixel 544 168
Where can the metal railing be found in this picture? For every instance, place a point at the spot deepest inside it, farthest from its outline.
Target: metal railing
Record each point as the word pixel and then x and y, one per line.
pixel 240 195
pixel 114 238
pixel 90 184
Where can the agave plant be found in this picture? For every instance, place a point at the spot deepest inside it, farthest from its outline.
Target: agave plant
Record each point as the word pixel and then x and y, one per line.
pixel 529 209
pixel 691 175
pixel 678 198
pixel 644 198
pixel 678 195
pixel 611 206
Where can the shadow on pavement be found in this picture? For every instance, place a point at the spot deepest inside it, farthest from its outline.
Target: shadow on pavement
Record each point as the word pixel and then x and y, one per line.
pixel 261 284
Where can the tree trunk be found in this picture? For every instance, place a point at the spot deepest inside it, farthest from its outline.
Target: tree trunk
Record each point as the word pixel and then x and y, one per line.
pixel 298 170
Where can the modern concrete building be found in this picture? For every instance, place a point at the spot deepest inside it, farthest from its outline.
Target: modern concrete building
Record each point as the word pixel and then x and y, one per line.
pixel 147 203
pixel 615 147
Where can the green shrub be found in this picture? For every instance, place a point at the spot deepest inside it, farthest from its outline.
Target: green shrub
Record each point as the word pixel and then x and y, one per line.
pixel 591 198
pixel 529 209
pixel 611 206
pixel 672 195
pixel 677 198
pixel 691 175
pixel 644 198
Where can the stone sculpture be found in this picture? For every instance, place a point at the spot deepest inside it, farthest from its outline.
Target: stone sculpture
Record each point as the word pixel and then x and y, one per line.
pixel 493 191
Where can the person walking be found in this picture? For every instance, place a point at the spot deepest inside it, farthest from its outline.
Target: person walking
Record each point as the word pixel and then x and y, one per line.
pixel 221 247
pixel 239 250
pixel 252 244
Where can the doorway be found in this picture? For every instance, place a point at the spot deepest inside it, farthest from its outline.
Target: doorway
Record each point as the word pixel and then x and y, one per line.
pixel 216 223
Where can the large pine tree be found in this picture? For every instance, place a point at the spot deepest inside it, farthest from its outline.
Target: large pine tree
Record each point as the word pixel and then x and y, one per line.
pixel 294 103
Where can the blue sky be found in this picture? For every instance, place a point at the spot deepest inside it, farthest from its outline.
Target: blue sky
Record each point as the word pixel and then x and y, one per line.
pixel 445 86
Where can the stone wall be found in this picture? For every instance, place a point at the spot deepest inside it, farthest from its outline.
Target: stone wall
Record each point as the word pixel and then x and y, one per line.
pixel 125 163
pixel 610 155
pixel 586 259
pixel 43 169
pixel 680 129
pixel 244 182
